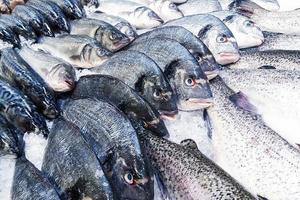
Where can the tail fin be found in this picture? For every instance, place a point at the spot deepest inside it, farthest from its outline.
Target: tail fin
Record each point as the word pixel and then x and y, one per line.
pixel 245 7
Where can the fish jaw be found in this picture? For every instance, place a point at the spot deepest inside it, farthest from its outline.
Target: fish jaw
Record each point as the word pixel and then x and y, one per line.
pixel 227 58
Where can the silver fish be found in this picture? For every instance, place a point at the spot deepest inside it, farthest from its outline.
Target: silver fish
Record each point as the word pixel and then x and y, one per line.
pixel 194 7
pixel 267 4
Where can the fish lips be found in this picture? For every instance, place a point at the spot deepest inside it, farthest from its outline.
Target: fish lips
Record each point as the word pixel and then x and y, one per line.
pixel 227 58
pixel 168 115
pixel 121 43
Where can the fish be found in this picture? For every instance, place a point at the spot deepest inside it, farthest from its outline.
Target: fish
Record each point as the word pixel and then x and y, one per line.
pixel 7 35
pixel 19 73
pixel 59 75
pixel 274 95
pixel 121 24
pixel 80 51
pixel 179 1
pixel 76 178
pixel 189 41
pixel 4 9
pixel 33 18
pixel 272 5
pixel 18 26
pixel 194 7
pixel 243 143
pixel 52 12
pixel 137 15
pixel 19 110
pixel 279 59
pixel 13 3
pixel 30 183
pixel 245 31
pixel 107 35
pixel 182 70
pixel 70 8
pixel 214 33
pixel 90 3
pixel 187 174
pixel 273 21
pixel 122 96
pixel 143 75
pixel 115 143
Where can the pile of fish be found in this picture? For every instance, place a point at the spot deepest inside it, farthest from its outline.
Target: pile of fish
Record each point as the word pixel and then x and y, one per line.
pixel 149 99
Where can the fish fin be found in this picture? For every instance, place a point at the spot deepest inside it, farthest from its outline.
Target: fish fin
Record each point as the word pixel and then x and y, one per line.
pixel 75 57
pixel 207 123
pixel 163 189
pixel 241 101
pixel 246 8
pixel 267 67
pixel 261 198
pixel 190 144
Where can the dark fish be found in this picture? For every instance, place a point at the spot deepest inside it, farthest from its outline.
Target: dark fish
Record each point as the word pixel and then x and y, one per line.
pixel 122 96
pixel 71 9
pixel 181 68
pixel 30 183
pixel 33 18
pixel 189 41
pixel 76 172
pixel 18 72
pixel 142 74
pixel 19 111
pixel 7 35
pixel 52 13
pixel 114 141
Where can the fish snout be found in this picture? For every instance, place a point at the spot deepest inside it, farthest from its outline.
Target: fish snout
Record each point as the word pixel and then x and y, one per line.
pixel 168 115
pixel 227 58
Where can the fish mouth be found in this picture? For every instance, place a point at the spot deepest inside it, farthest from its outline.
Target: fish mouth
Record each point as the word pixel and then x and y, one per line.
pixel 122 43
pixel 228 57
pixel 203 103
pixel 152 123
pixel 167 115
pixel 211 74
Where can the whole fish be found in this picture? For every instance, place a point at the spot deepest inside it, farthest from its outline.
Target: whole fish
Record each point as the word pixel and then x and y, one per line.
pixel 18 26
pixel 122 96
pixel 19 111
pixel 273 21
pixel 80 51
pixel 76 178
pixel 107 35
pixel 70 8
pixel 186 174
pixel 215 35
pixel 267 4
pixel 194 7
pixel 30 183
pixel 182 70
pixel 114 141
pixel 250 151
pixel 143 75
pixel 19 73
pixel 246 32
pixel 139 16
pixel 7 34
pixel 279 59
pixel 274 95
pixel 52 12
pixel 189 41
pixel 33 18
pixel 58 74
pixel 121 24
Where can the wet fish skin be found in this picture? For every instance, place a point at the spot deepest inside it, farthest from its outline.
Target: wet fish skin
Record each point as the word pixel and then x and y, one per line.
pixel 116 145
pixel 32 17
pixel 280 59
pixel 70 8
pixel 272 5
pixel 144 76
pixel 19 111
pixel 73 177
pixel 18 72
pixel 215 35
pixel 58 74
pixel 182 70
pixel 176 164
pixel 80 51
pixel 122 96
pixel 243 144
pixel 107 35
pixel 30 183
pixel 7 34
pixel 52 13
pixel 193 7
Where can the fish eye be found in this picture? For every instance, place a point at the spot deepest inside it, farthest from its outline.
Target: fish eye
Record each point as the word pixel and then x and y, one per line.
pixel 129 32
pixel 249 23
pixel 222 38
pixel 112 37
pixel 100 53
pixel 190 82
pixel 156 93
pixel 172 6
pixel 128 177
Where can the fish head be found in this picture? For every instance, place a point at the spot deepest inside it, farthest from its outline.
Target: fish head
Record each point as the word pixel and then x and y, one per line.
pixel 90 3
pixel 95 54
pixel 158 92
pixel 191 85
pixel 168 10
pixel 144 17
pixel 62 77
pixel 208 64
pixel 127 29
pixel 74 10
pixel 112 38
pixel 221 43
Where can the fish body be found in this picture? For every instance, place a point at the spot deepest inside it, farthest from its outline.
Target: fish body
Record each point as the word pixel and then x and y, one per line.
pixel 107 35
pixel 272 5
pixel 80 51
pixel 70 8
pixel 7 34
pixel 114 141
pixel 59 75
pixel 76 178
pixel 194 7
pixel 215 35
pixel 19 73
